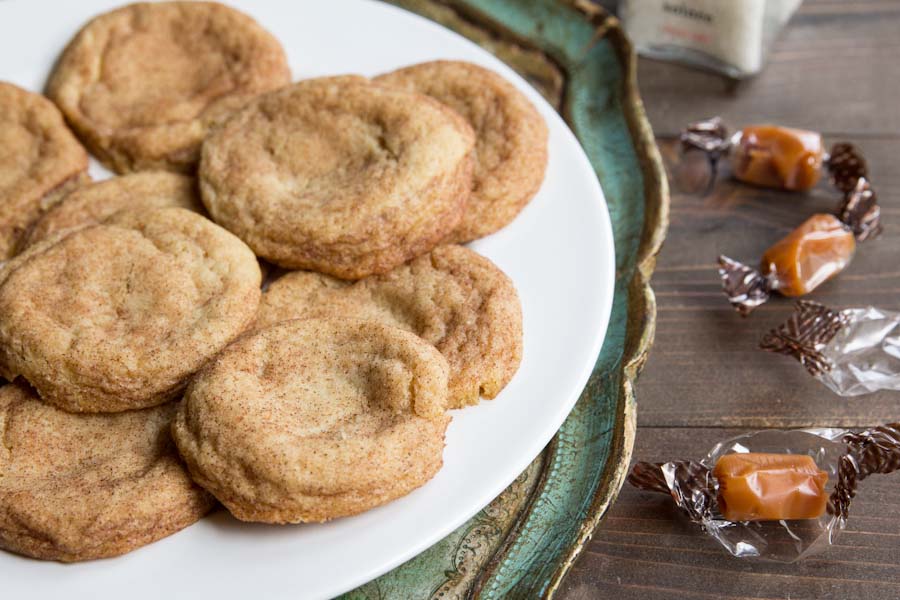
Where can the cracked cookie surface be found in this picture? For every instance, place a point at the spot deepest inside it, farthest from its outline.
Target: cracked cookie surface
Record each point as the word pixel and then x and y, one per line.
pixel 309 420
pixel 40 162
pixel 115 316
pixel 339 175
pixel 94 203
pixel 81 487
pixel 453 298
pixel 511 148
pixel 144 84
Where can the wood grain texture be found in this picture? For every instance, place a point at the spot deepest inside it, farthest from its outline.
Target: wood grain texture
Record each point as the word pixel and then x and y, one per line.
pixel 836 70
pixel 705 369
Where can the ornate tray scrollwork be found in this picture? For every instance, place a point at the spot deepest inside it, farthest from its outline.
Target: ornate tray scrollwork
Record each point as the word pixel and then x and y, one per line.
pixel 522 544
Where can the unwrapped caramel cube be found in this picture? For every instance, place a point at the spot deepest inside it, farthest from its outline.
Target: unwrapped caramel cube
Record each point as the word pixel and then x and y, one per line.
pixel 770 487
pixel 778 157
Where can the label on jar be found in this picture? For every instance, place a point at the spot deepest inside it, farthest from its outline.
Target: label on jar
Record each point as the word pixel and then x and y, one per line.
pixel 731 32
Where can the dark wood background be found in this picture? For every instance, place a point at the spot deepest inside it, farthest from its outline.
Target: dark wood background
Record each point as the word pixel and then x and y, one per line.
pixel 835 69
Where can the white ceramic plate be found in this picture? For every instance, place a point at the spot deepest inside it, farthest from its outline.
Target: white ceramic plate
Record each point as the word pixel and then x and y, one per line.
pixel 559 252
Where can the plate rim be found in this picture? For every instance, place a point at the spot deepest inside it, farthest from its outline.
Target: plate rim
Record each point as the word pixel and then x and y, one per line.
pixel 504 19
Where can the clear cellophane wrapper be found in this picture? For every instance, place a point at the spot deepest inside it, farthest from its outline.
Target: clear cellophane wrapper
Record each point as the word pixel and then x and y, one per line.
pixel 846 457
pixel 853 351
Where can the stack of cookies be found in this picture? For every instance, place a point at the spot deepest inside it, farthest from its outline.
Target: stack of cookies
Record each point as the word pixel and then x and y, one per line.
pixel 150 375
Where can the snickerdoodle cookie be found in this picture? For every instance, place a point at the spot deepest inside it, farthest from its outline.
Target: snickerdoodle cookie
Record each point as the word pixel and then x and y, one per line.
pixel 40 162
pixel 339 175
pixel 309 420
pixel 143 84
pixel 453 298
pixel 80 487
pixel 97 202
pixel 117 315
pixel 511 148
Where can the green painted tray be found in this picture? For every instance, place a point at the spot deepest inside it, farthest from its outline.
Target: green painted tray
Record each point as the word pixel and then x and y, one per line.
pixel 522 544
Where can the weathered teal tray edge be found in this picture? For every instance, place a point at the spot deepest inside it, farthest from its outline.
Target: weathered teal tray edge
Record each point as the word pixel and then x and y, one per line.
pixel 522 544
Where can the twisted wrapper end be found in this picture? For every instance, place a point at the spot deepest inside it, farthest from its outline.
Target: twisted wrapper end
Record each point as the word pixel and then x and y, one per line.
pixel 746 288
pixel 850 174
pixel 648 476
pixel 860 211
pixel 872 451
pixel 803 335
pixel 846 165
pixel 709 136
pixel 688 482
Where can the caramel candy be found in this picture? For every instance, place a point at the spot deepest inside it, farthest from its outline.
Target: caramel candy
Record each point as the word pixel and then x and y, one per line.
pixel 778 157
pixel 817 250
pixel 808 256
pixel 770 487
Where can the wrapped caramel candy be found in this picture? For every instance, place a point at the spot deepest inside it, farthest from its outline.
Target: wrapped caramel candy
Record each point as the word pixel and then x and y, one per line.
pixel 817 250
pixel 810 255
pixel 756 486
pixel 853 351
pixel 780 495
pixel 776 157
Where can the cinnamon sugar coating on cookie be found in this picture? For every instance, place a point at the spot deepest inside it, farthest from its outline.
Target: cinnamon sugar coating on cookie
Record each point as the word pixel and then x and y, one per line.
pixel 310 420
pixel 144 84
pixel 81 487
pixel 94 203
pixel 511 148
pixel 452 298
pixel 40 162
pixel 116 316
pixel 339 175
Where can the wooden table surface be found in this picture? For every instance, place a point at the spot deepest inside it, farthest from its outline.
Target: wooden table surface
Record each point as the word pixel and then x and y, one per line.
pixel 835 69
